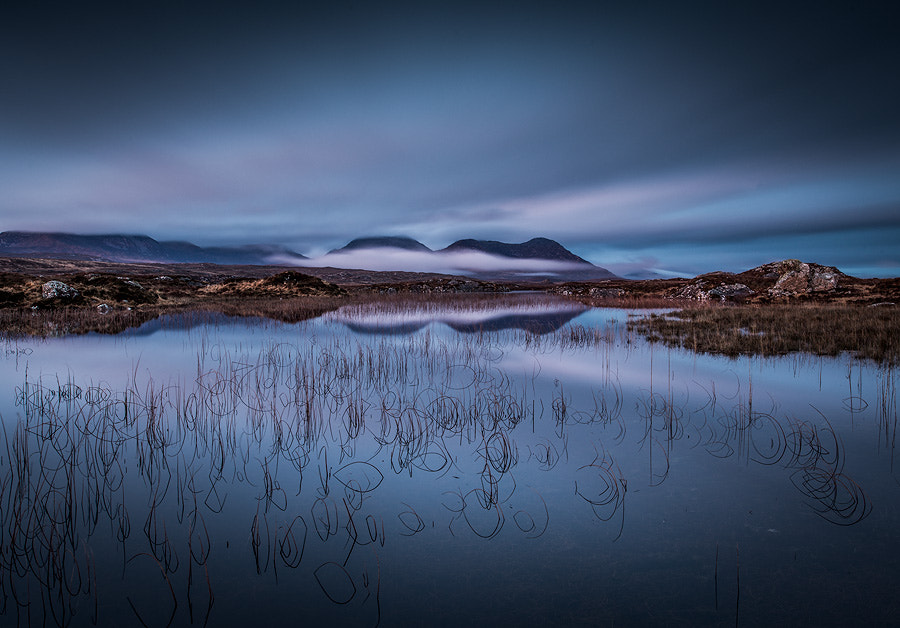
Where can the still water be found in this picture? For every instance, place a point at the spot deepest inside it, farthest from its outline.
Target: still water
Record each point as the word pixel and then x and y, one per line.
pixel 520 461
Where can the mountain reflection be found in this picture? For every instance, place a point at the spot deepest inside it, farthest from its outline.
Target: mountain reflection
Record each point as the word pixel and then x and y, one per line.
pixel 537 316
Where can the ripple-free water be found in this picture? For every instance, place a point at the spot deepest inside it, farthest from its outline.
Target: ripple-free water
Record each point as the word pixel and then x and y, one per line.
pixel 441 466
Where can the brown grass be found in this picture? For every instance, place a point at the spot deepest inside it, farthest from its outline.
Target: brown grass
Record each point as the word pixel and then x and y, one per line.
pixel 234 299
pixel 62 321
pixel 867 332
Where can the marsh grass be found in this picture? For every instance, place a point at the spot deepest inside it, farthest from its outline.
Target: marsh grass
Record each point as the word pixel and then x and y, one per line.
pixel 72 320
pixel 19 323
pixel 867 332
pixel 64 321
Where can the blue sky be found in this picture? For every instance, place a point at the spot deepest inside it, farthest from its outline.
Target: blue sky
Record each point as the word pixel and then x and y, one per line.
pixel 681 138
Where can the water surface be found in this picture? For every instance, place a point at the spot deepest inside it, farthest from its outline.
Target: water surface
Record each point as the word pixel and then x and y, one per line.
pixel 523 461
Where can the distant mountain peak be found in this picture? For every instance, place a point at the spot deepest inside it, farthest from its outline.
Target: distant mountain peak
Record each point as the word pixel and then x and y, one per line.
pixel 378 242
pixel 535 248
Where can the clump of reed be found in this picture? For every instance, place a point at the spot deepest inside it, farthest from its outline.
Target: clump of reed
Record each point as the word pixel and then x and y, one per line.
pixel 19 323
pixel 867 332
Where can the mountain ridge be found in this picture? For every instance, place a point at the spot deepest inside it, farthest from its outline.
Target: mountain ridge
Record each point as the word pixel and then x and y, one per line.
pixel 130 248
pixel 374 242
pixel 537 260
pixel 527 259
pixel 535 248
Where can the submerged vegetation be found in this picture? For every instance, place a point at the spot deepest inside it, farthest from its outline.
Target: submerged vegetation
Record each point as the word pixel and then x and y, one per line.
pixel 871 332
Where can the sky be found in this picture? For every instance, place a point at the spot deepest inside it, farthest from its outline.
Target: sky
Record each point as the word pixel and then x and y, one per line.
pixel 677 137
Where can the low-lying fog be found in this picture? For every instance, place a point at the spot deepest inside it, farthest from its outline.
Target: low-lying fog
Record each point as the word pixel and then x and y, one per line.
pixel 454 263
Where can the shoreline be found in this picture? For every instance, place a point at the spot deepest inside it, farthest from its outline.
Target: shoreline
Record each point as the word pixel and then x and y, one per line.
pixel 43 298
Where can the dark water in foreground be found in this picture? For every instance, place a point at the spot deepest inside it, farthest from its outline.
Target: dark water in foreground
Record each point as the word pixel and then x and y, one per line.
pixel 524 463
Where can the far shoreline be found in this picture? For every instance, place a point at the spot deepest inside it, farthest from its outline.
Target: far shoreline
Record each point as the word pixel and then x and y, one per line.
pixel 712 313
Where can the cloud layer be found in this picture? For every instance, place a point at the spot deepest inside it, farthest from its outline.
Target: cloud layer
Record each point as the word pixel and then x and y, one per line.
pixel 669 132
pixel 389 258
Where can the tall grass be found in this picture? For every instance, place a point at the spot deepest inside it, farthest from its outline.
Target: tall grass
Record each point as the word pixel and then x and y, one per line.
pixel 867 332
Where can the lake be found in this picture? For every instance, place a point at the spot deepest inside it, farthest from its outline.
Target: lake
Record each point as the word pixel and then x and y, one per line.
pixel 517 460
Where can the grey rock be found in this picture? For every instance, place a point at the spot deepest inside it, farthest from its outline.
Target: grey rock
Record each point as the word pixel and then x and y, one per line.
pixel 726 292
pixel 723 292
pixel 799 278
pixel 693 291
pixel 56 289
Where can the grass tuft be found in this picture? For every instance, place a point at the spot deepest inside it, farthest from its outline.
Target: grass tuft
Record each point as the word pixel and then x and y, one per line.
pixel 867 332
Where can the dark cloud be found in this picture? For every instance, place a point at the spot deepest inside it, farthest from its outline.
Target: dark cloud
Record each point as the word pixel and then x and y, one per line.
pixel 628 126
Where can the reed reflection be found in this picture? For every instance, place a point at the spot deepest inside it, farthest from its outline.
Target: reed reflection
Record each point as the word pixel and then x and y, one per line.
pixel 315 461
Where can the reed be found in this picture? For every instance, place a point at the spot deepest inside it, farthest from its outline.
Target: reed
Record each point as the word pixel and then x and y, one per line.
pixel 867 332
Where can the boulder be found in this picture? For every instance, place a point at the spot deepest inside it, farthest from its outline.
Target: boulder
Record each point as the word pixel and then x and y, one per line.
pixel 799 278
pixel 698 291
pixel 693 291
pixel 731 292
pixel 58 290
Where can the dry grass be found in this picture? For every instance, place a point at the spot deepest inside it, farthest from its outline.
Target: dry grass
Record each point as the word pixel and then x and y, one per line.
pixel 236 299
pixel 63 321
pixel 867 332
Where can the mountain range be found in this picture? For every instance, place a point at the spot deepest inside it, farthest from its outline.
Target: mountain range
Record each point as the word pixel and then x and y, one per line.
pixel 536 259
pixel 536 248
pixel 130 248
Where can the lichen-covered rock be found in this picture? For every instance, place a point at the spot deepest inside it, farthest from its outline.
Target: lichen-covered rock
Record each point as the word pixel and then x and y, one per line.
pixel 731 292
pixel 799 278
pixel 823 281
pixel 698 291
pixel 58 290
pixel 693 291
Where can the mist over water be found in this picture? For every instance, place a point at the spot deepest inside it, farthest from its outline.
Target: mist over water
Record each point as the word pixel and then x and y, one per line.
pixel 387 259
pixel 521 460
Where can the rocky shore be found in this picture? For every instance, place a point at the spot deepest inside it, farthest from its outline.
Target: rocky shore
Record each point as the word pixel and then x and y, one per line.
pixel 76 296
pixel 783 282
